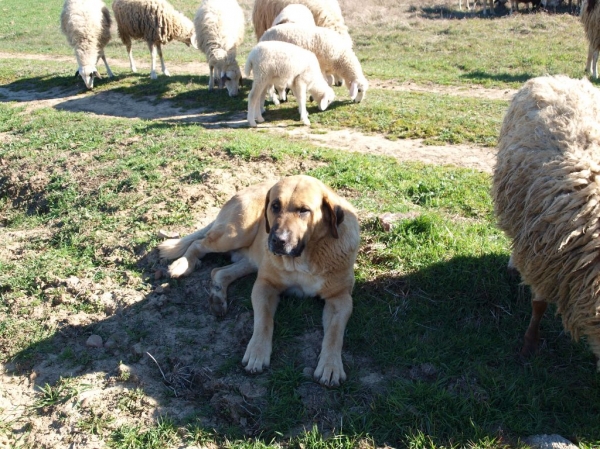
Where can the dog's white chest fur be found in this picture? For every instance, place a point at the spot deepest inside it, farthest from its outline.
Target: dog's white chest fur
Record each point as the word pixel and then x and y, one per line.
pixel 299 280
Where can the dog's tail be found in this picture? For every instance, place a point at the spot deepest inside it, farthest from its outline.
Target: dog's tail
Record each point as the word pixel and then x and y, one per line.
pixel 175 248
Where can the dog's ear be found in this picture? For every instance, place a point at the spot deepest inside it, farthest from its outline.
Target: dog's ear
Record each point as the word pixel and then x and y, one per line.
pixel 267 200
pixel 333 215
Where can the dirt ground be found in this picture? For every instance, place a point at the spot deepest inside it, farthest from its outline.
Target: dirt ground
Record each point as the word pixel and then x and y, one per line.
pixel 158 337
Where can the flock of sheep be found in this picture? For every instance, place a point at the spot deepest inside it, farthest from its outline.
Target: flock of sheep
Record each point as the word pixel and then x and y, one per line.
pixel 546 183
pixel 303 45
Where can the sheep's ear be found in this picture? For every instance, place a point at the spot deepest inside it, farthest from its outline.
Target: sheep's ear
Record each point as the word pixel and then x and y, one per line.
pixel 353 90
pixel 76 73
pixel 95 74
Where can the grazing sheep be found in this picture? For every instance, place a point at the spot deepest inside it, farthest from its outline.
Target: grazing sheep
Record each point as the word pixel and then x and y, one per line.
pixel 546 190
pixel 295 13
pixel 326 13
pixel 332 51
pixel 220 30
pixel 485 6
pixel 283 64
pixel 86 23
pixel 590 18
pixel 154 21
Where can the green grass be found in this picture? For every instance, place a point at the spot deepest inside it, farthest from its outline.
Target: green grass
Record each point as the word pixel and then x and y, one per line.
pixel 436 316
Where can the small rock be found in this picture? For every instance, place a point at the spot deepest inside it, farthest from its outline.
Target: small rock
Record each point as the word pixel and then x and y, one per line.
pixel 137 349
pixel 106 297
pixel 308 372
pixel 94 341
pixel 168 235
pixel 158 274
pixel 388 220
pixel 549 442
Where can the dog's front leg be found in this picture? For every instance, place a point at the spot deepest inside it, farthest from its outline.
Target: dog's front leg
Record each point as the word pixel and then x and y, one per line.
pixel 265 299
pixel 337 311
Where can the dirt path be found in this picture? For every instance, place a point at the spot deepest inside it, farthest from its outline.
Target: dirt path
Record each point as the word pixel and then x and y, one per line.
pixel 118 105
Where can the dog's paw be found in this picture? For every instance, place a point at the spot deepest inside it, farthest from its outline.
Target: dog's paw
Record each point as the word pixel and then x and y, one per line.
pixel 217 301
pixel 330 371
pixel 257 356
pixel 181 267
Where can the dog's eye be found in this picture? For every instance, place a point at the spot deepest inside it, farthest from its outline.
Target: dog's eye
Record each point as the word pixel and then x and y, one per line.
pixel 304 211
pixel 276 207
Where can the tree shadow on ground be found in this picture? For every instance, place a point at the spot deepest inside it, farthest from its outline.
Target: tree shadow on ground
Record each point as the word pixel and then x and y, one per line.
pixel 432 352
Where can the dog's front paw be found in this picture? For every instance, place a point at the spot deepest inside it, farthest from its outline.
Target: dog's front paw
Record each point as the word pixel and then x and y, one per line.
pixel 217 300
pixel 257 356
pixel 330 371
pixel 181 267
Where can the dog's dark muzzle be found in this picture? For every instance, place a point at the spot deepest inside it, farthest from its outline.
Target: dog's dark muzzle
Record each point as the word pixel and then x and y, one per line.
pixel 280 245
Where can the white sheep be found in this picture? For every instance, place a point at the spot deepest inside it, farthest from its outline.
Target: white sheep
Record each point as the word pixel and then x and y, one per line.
pixel 332 51
pixel 220 30
pixel 154 21
pixel 86 24
pixel 295 13
pixel 590 18
pixel 546 191
pixel 485 5
pixel 283 64
pixel 326 13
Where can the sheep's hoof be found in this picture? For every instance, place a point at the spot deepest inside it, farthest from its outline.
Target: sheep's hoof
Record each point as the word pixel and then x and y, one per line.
pixel 153 75
pixel 260 119
pixel 166 73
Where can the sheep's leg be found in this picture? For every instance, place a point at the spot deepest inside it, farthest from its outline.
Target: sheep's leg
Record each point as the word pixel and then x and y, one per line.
pixel 254 103
pixel 211 77
pixel 101 55
pixel 299 90
pixel 273 95
pixel 162 61
pixel 130 54
pixel 532 335
pixel 261 105
pixel 152 48
pixel 595 65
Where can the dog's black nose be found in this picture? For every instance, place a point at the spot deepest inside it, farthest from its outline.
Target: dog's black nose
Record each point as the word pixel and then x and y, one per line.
pixel 277 244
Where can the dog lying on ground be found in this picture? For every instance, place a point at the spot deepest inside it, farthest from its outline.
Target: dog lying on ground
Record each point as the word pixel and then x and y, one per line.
pixel 300 237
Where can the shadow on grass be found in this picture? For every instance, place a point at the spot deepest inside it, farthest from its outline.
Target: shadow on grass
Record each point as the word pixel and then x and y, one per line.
pixel 175 99
pixel 432 353
pixel 478 76
pixel 438 12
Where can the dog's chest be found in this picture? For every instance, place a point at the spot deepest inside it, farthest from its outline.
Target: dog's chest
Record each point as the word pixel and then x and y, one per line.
pixel 299 280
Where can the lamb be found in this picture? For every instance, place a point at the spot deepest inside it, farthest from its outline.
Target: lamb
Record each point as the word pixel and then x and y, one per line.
pixel 326 13
pixel 284 64
pixel 154 21
pixel 294 13
pixel 590 18
pixel 546 190
pixel 86 24
pixel 485 6
pixel 219 28
pixel 332 51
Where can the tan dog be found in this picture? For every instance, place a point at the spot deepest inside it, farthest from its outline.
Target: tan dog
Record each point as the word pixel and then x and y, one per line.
pixel 301 238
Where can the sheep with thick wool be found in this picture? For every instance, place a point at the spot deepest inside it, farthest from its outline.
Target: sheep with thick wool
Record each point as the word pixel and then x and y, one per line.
pixel 332 51
pixel 326 13
pixel 86 24
pixel 219 28
pixel 546 192
pixel 154 21
pixel 590 18
pixel 294 13
pixel 283 64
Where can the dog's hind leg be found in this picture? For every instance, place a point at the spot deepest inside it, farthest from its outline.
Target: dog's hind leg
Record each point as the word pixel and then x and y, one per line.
pixel 221 278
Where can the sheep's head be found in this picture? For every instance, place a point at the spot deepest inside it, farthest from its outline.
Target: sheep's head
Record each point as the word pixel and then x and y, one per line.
pixel 232 80
pixel 88 73
pixel 358 89
pixel 323 98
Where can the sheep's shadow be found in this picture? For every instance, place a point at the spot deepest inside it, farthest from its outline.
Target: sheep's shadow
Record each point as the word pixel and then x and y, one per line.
pixel 478 76
pixel 428 342
pixel 443 12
